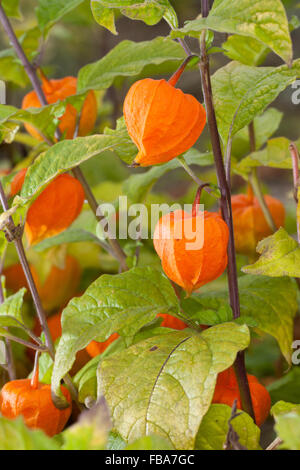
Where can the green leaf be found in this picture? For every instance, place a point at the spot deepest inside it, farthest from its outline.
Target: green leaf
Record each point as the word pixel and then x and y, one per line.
pixel 11 70
pixel 287 388
pixel 174 394
pixel 265 21
pixel 149 11
pixel 91 430
pixel 104 16
pixel 48 13
pixel 127 59
pixel 44 119
pixel 64 156
pixel 280 256
pixel 276 155
pixel 242 92
pixel 12 8
pixel 264 126
pixel 127 151
pixel 246 50
pixel 271 303
pixel 14 435
pixel 120 303
pixel 137 186
pixel 214 428
pixel 287 418
pixel 151 442
pixel 12 306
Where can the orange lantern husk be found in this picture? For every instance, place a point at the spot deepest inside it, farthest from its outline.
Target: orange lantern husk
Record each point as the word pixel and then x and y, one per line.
pixel 58 90
pixel 192 268
pixel 250 225
pixel 54 210
pixel 227 390
pixel 161 120
pixel 32 400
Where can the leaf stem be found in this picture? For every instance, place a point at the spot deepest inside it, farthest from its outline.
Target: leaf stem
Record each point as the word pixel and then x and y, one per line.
pixel 254 181
pixel 193 175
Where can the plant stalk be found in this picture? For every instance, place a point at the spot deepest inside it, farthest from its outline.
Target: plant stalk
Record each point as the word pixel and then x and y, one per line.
pixel 254 181
pixel 225 204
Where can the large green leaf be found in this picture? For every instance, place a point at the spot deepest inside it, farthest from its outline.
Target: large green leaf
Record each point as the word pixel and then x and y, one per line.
pixel 276 154
pixel 242 92
pixel 164 385
pixel 214 429
pixel 120 303
pixel 151 442
pixel 64 156
pixel 287 418
pixel 49 13
pixel 280 256
pixel 14 435
pixel 271 303
pixel 265 21
pixel 127 59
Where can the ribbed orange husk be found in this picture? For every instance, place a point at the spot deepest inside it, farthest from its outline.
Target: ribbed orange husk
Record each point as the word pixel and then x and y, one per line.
pixel 60 285
pixel 96 347
pixel 18 397
pixel 172 322
pixel 58 90
pixel 250 225
pixel 54 210
pixel 227 391
pixel 162 121
pixel 192 269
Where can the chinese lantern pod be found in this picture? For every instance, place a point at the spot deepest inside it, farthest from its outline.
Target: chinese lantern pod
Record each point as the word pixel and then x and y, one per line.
pixel 227 391
pixel 58 90
pixel 192 268
pixel 250 225
pixel 162 121
pixel 54 210
pixel 19 397
pixel 60 285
